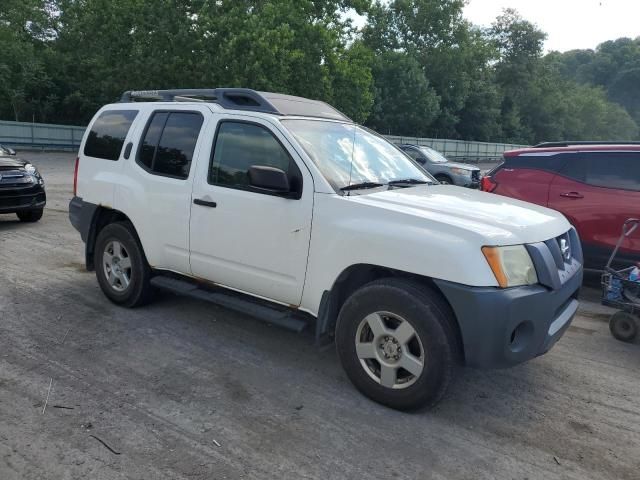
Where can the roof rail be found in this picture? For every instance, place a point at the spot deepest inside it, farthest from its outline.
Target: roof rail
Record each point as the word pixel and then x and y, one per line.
pixel 241 99
pixel 570 144
pixel 235 98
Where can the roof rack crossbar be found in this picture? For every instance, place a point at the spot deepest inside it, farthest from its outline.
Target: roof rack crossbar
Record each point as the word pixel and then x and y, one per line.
pixel 577 143
pixel 232 98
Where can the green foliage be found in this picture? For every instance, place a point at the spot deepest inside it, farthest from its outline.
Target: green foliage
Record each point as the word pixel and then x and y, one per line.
pixel 405 103
pixel 415 68
pixel 614 66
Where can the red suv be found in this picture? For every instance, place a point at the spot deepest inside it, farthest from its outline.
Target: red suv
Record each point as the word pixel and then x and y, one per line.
pixel 595 185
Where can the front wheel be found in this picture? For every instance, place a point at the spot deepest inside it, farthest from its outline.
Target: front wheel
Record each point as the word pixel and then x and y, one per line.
pixel 121 267
pixel 30 216
pixel 396 343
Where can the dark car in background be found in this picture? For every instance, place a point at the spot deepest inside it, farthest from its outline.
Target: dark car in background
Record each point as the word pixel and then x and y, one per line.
pixel 442 169
pixel 21 189
pixel 595 185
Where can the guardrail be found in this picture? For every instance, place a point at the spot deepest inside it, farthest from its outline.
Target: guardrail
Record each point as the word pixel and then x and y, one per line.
pixel 65 137
pixel 460 150
pixel 40 135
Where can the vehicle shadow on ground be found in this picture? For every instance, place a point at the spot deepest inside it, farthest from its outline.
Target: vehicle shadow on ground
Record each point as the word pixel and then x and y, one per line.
pixel 503 393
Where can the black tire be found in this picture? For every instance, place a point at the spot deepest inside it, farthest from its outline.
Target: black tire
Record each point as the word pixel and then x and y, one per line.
pixel 444 179
pixel 30 216
pixel 433 323
pixel 623 326
pixel 138 291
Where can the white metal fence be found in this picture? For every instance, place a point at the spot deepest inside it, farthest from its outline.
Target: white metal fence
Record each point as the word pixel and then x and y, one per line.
pixel 460 150
pixel 40 135
pixel 66 137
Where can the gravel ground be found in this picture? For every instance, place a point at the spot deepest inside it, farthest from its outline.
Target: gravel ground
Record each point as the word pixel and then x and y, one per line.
pixel 182 389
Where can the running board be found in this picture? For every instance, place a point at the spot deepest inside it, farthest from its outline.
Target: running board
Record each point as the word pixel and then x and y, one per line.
pixel 233 301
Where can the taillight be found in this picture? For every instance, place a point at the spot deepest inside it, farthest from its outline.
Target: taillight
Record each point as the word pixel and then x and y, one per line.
pixel 75 177
pixel 488 184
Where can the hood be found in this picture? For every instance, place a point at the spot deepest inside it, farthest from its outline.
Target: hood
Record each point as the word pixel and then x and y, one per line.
pixel 498 220
pixel 11 162
pixel 465 166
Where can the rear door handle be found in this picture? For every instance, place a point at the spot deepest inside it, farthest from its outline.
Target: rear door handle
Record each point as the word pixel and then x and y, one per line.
pixel 204 203
pixel 572 195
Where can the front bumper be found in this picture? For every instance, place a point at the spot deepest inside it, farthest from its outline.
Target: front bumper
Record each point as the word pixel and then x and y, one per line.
pixel 17 198
pixel 504 327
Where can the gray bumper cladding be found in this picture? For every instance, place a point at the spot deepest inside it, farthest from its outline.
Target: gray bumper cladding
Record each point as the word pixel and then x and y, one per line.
pixel 81 215
pixel 504 327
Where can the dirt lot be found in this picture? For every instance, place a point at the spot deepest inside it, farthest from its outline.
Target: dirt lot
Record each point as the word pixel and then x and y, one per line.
pixel 183 389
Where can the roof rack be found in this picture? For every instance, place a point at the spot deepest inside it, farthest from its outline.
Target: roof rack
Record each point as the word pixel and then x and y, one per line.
pixel 570 144
pixel 240 99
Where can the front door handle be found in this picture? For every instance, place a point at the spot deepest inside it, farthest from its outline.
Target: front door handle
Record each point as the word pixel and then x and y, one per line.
pixel 204 203
pixel 572 195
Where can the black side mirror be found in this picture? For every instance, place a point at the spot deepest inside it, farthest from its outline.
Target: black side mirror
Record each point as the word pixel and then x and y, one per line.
pixel 421 160
pixel 270 179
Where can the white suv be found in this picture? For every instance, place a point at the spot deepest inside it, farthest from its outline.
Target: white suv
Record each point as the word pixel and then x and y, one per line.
pixel 283 208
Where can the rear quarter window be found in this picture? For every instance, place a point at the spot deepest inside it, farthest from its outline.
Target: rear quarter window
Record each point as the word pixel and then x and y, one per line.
pixel 108 133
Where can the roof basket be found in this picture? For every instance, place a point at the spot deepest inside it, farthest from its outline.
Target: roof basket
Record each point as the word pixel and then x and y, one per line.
pixel 240 99
pixel 571 144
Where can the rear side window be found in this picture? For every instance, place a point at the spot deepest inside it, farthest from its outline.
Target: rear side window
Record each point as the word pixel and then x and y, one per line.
pixel 169 142
pixel 551 163
pixel 108 133
pixel 240 146
pixel 619 170
pixel 412 152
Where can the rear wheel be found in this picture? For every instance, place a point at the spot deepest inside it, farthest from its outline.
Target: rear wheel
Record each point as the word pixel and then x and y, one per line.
pixel 623 326
pixel 396 343
pixel 121 267
pixel 30 216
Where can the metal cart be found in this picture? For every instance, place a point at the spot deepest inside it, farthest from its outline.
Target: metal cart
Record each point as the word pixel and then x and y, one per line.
pixel 621 293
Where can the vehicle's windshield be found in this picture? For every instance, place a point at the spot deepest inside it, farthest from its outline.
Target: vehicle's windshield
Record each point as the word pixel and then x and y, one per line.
pixel 433 155
pixel 348 154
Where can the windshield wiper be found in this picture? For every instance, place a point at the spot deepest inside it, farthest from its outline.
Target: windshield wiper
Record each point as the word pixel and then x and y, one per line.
pixel 407 181
pixel 361 186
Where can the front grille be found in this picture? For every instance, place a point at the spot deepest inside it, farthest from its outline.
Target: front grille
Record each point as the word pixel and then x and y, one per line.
pixel 14 177
pixel 475 175
pixel 558 259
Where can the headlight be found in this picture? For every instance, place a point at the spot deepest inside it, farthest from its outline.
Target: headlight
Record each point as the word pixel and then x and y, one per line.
pixel 30 169
pixel 511 265
pixel 461 171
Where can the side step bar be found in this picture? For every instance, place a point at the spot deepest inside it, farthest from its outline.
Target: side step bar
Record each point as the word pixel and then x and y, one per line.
pixel 233 301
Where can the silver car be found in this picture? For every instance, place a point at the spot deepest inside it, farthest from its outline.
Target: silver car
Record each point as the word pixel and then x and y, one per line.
pixel 445 171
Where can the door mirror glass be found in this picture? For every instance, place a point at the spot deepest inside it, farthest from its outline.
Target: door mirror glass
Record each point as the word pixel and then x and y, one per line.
pixel 271 179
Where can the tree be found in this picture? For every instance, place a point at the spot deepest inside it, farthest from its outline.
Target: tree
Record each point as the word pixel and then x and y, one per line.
pixel 23 77
pixel 613 65
pixel 405 103
pixel 453 55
